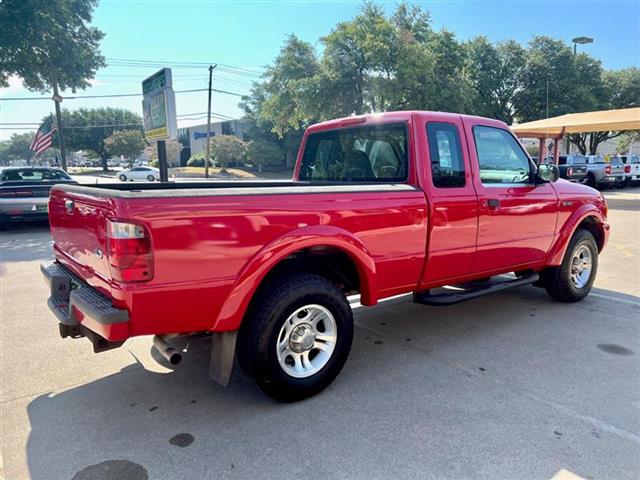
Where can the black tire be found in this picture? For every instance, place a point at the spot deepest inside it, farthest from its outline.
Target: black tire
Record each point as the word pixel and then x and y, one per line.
pixel 591 181
pixel 123 178
pixel 557 280
pixel 151 178
pixel 273 305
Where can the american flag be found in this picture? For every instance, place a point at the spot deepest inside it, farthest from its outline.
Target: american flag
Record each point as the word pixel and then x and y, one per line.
pixel 42 140
pixel 547 151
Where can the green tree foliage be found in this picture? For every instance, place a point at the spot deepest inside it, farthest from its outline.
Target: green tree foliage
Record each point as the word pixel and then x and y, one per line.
pixel 17 147
pixel 494 72
pixel 89 128
pixel 228 149
pixel 197 160
pixel 375 63
pixel 128 143
pixel 623 87
pixel 173 147
pixel 49 42
pixel 625 140
pixel 262 154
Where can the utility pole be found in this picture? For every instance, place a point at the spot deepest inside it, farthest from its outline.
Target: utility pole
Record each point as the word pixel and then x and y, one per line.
pixel 208 145
pixel 57 99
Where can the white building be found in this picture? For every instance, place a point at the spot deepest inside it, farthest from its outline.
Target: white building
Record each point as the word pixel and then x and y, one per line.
pixel 194 137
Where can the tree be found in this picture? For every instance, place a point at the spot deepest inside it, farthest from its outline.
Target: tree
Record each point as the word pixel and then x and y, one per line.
pixel 265 154
pixel 49 43
pixel 128 143
pixel 494 73
pixel 18 147
pixel 620 89
pixel 173 147
pixel 88 128
pixel 574 81
pixel 626 139
pixel 228 148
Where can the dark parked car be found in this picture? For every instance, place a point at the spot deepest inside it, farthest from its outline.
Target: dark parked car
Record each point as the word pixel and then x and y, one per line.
pixel 572 167
pixel 24 192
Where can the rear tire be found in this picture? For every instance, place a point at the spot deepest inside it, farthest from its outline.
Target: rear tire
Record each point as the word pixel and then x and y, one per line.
pixel 591 181
pixel 573 279
pixel 279 329
pixel 123 178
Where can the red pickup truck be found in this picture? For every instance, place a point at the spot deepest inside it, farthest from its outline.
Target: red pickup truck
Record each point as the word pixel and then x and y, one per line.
pixel 379 205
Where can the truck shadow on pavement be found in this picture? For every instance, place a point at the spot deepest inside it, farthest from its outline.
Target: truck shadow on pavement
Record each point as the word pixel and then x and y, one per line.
pixel 24 242
pixel 421 383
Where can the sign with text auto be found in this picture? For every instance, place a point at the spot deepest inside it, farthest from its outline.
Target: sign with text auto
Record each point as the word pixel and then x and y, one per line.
pixel 159 106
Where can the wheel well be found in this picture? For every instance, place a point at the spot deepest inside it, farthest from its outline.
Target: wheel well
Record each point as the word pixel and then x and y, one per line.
pixel 592 225
pixel 329 262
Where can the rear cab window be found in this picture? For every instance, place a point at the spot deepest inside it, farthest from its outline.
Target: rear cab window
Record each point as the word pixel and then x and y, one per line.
pixel 33 175
pixel 447 163
pixel 357 155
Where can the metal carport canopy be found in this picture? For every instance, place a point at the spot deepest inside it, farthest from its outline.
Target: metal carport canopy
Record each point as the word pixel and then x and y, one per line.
pixel 604 120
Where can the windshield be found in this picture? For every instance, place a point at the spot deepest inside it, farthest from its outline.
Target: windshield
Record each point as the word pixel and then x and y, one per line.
pixel 361 154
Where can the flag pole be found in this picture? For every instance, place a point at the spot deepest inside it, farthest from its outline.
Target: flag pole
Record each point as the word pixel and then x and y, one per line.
pixel 57 99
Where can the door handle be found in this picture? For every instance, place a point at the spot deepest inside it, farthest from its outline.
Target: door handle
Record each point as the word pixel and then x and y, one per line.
pixel 69 205
pixel 493 203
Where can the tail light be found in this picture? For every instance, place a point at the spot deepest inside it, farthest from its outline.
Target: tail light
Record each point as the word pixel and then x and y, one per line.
pixel 130 255
pixel 569 172
pixel 607 169
pixel 627 169
pixel 7 193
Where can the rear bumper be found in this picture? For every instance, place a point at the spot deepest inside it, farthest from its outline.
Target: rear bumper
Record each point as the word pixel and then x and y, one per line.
pixel 83 311
pixel 28 208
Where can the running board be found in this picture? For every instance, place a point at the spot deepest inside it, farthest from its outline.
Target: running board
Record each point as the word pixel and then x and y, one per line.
pixel 468 294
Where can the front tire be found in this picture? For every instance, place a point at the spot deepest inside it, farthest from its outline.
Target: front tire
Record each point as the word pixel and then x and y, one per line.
pixel 573 279
pixel 296 336
pixel 151 178
pixel 123 178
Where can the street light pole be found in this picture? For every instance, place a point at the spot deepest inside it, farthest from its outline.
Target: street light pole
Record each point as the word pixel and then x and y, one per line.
pixel 581 41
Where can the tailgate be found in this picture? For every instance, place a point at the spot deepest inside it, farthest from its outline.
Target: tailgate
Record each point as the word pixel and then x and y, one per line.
pixel 78 227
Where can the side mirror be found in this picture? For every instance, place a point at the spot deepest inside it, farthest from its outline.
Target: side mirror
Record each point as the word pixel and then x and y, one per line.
pixel 547 172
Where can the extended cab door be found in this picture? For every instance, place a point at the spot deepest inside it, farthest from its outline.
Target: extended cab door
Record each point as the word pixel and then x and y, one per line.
pixel 517 217
pixel 453 204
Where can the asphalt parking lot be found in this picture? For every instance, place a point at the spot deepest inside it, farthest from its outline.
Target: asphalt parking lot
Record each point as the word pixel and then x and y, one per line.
pixel 513 386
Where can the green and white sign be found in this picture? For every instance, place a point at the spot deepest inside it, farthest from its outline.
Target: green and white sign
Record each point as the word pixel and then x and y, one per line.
pixel 159 106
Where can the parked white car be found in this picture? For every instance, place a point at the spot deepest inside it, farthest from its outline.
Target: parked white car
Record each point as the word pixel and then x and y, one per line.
pixel 148 174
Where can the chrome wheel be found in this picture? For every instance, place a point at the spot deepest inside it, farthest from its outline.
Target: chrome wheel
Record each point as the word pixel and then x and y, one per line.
pixel 306 341
pixel 581 266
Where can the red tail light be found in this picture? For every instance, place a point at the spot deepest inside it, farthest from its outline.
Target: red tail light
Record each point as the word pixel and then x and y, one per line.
pixel 607 169
pixel 7 193
pixel 569 172
pixel 627 169
pixel 130 255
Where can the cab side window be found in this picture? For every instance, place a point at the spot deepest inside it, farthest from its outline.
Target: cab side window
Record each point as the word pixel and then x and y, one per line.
pixel 447 164
pixel 501 158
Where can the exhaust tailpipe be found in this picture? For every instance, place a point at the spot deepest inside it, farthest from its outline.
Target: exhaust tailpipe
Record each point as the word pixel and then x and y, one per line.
pixel 173 356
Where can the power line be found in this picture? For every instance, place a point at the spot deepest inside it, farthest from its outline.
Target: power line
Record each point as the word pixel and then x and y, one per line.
pixel 76 97
pixel 111 60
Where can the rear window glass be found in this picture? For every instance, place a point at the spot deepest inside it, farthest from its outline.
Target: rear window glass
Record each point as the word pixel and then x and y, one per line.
pixel 33 175
pixel 355 155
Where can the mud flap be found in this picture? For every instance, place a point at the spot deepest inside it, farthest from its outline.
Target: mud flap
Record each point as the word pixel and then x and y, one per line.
pixel 223 350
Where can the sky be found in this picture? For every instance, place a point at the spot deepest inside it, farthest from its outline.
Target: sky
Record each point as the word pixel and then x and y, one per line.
pixel 247 35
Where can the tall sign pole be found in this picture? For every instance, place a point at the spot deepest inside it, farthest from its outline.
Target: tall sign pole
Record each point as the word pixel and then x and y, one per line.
pixel 208 144
pixel 159 114
pixel 56 100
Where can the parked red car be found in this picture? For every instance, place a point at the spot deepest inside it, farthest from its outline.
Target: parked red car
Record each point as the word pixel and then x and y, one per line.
pixel 379 205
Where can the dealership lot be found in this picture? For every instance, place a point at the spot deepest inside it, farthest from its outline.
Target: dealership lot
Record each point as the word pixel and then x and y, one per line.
pixel 508 386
